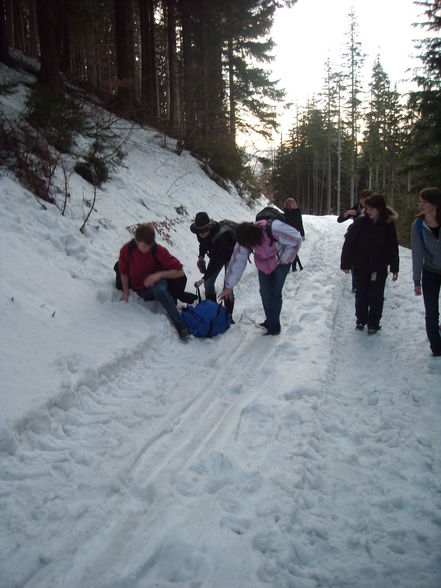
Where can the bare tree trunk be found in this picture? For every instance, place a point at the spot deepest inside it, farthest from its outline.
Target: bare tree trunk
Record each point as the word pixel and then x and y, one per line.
pixel 4 37
pixel 149 86
pixel 189 106
pixel 231 85
pixel 47 26
pixel 339 153
pixel 33 29
pixel 64 35
pixel 174 108
pixel 125 55
pixel 17 11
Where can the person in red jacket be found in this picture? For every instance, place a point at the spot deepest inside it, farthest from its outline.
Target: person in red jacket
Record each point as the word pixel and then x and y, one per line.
pixel 146 269
pixel 370 246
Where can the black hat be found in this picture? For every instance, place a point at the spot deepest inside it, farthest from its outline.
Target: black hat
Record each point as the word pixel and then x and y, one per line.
pixel 202 223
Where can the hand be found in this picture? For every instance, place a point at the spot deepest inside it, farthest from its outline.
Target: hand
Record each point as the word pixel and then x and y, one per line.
pixel 199 283
pixel 226 293
pixel 417 290
pixel 395 276
pixel 350 212
pixel 125 296
pixel 346 271
pixel 303 238
pixel 151 280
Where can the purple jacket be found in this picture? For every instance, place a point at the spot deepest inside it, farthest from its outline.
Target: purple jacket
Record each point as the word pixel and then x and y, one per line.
pixel 267 256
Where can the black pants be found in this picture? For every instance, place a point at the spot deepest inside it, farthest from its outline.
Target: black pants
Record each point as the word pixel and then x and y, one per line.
pixel 295 262
pixel 431 284
pixel 369 298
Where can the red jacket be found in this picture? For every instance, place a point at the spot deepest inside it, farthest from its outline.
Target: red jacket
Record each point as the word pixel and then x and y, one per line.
pixel 140 265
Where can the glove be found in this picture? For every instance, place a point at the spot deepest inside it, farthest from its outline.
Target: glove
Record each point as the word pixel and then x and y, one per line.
pixel 202 266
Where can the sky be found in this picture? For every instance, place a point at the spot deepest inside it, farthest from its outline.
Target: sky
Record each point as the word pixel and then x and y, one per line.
pixel 131 459
pixel 312 31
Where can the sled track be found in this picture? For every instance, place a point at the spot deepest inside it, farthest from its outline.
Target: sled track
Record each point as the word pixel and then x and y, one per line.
pixel 120 434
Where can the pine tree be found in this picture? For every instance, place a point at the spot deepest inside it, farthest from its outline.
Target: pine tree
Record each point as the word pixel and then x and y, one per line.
pixel 424 148
pixel 353 59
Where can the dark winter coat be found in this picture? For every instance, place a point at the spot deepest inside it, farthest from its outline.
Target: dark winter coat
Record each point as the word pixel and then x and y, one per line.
pixel 293 217
pixel 370 247
pixel 219 250
pixel 358 209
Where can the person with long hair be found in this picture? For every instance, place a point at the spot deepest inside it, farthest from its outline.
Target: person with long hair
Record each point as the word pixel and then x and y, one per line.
pixel 293 216
pixel 426 261
pixel 274 251
pixel 370 246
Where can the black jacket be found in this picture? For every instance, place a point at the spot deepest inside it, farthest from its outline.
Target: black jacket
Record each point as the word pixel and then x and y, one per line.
pixel 358 209
pixel 219 250
pixel 293 217
pixel 370 246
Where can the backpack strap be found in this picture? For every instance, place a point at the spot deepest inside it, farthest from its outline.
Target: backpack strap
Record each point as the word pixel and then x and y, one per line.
pixel 419 226
pixel 226 226
pixel 269 230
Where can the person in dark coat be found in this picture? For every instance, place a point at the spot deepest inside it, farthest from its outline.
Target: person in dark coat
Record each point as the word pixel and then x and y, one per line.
pixel 353 213
pixel 293 217
pixel 370 246
pixel 217 242
pixel 355 210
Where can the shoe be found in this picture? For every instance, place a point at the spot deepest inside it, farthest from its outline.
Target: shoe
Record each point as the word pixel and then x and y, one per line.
pixel 184 335
pixel 272 332
pixel 373 330
pixel 359 326
pixel 264 324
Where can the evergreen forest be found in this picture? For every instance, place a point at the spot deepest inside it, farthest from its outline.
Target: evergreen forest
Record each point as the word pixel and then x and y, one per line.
pixel 200 72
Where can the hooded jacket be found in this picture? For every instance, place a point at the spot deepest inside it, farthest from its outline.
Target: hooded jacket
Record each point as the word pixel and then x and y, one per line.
pixel 425 254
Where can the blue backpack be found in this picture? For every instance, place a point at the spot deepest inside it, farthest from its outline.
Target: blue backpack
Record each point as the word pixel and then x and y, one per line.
pixel 206 319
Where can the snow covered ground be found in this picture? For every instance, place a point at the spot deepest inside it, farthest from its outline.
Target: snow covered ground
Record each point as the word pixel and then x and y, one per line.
pixel 131 459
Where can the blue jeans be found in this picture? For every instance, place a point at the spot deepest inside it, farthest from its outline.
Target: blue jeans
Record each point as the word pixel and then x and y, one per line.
pixel 431 284
pixel 271 287
pixel 159 292
pixel 210 291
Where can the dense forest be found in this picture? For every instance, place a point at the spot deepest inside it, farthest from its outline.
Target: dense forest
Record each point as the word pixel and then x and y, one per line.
pixel 192 68
pixel 349 138
pixel 200 72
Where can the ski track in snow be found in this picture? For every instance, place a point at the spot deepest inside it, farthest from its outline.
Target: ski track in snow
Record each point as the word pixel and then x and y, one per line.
pixel 125 465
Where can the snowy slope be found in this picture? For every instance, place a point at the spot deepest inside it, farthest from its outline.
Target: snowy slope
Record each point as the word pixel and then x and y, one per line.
pixel 131 459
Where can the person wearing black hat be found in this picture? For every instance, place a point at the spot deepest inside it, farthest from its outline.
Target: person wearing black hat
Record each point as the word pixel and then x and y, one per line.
pixel 217 241
pixel 370 246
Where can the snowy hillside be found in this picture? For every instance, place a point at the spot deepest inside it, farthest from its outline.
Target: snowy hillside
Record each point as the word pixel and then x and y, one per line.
pixel 131 459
